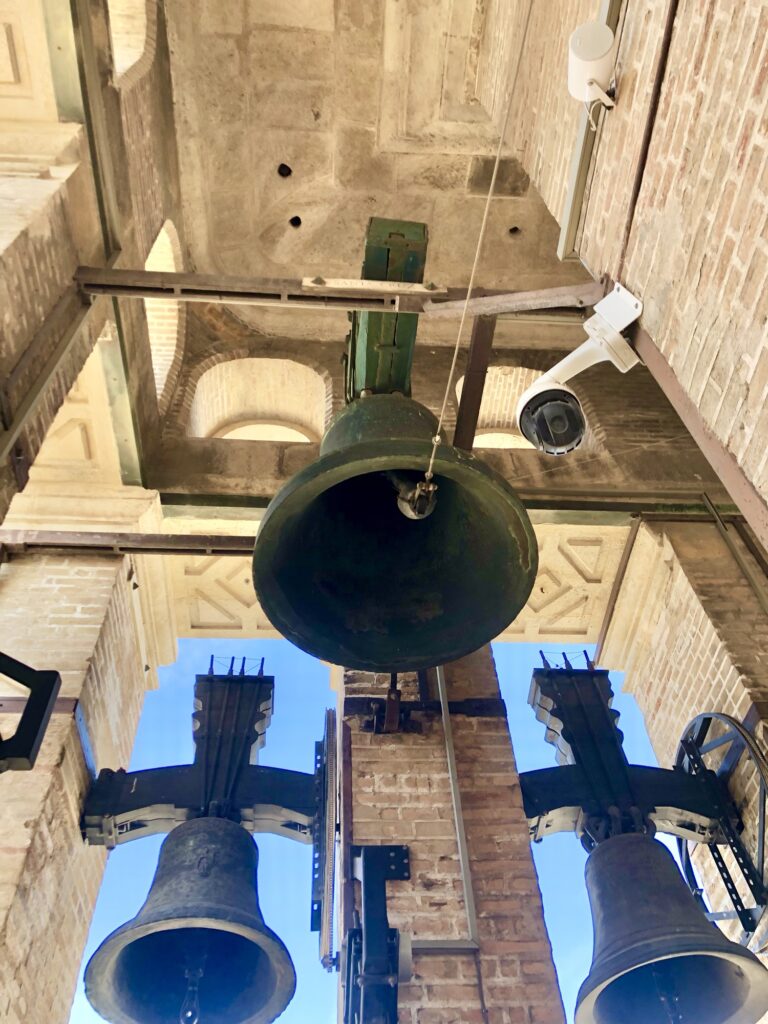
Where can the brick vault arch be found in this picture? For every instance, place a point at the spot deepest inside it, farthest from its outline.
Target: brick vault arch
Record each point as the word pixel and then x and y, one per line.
pixel 132 30
pixel 165 317
pixel 275 395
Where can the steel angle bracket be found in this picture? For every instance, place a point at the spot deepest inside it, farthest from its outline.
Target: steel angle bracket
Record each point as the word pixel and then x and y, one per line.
pixel 324 841
pixel 372 963
pixel 19 752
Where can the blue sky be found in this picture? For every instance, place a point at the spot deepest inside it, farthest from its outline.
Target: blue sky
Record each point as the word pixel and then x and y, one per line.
pixel 301 695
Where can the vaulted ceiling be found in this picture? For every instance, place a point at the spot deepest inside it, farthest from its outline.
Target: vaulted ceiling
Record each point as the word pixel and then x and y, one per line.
pixel 389 108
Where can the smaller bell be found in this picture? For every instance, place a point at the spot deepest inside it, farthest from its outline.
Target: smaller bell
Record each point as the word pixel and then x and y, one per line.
pixel 656 959
pixel 198 951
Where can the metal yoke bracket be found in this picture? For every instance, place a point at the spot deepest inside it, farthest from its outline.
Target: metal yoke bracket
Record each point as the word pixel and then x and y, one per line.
pixel 19 752
pixel 230 719
pixel 596 792
pixel 390 713
pixel 373 949
pixel 380 345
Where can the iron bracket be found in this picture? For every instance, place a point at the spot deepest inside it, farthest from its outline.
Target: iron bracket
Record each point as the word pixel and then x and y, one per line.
pixel 231 717
pixel 373 950
pixel 19 752
pixel 595 791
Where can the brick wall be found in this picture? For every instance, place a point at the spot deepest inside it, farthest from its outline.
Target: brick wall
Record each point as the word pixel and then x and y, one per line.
pixel 688 631
pixel 401 794
pixel 259 390
pixel 74 615
pixel 697 248
pixel 165 317
pixel 544 118
pixel 693 638
pixel 50 226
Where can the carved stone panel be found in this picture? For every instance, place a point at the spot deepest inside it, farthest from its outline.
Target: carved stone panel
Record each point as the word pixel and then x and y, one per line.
pixel 214 595
pixel 577 566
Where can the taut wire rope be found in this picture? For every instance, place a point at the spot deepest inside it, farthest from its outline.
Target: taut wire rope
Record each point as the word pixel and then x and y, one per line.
pixel 481 238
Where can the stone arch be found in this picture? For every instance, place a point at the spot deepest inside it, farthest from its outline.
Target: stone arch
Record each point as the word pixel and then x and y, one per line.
pixel 133 31
pixel 496 425
pixel 263 398
pixel 165 317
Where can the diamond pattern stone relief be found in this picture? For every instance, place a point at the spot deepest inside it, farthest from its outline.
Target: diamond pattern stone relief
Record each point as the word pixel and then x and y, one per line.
pixel 568 602
pixel 577 566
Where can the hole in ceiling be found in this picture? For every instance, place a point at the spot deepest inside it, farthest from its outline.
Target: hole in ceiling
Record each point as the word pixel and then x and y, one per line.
pixel 284 170
pixel 295 222
pixel 514 230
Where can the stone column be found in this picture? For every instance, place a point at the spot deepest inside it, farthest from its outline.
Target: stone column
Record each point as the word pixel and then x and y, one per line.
pixel 398 790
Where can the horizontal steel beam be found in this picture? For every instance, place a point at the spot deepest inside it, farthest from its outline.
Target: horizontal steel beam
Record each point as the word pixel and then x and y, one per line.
pixel 14 542
pixel 19 541
pixel 326 293
pixel 575 296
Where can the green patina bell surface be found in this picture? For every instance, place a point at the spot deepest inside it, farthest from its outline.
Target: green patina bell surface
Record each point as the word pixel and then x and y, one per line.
pixel 343 574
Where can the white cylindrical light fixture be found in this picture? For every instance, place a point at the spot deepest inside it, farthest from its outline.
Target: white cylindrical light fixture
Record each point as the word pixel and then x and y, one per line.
pixel 591 59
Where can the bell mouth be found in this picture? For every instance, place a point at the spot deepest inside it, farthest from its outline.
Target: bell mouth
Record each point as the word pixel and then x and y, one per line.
pixel 695 988
pixel 346 576
pixel 247 977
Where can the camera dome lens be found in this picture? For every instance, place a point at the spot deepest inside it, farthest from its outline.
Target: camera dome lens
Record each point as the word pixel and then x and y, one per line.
pixel 553 422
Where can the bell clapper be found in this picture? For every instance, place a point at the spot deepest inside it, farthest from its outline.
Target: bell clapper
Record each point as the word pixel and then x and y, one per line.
pixel 416 500
pixel 193 972
pixel 668 996
pixel 419 502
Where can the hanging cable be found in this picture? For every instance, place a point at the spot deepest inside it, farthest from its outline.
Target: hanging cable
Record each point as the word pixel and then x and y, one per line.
pixel 436 441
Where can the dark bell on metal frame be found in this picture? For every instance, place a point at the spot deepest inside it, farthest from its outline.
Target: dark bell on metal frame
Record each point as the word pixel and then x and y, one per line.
pixel 198 951
pixel 657 959
pixel 357 563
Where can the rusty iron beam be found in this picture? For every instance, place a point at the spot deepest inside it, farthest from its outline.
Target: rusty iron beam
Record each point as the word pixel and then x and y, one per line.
pixel 725 465
pixel 480 346
pixel 16 705
pixel 321 293
pixel 18 541
pixel 575 296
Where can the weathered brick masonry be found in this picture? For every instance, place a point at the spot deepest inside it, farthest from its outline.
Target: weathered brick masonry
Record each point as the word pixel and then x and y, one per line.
pixel 74 615
pixel 401 794
pixel 693 638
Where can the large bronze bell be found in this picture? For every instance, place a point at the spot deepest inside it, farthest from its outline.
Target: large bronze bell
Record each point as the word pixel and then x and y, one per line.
pixel 346 574
pixel 198 948
pixel 657 960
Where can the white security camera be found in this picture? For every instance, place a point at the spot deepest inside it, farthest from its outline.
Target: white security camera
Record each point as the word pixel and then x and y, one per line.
pixel 549 414
pixel 591 59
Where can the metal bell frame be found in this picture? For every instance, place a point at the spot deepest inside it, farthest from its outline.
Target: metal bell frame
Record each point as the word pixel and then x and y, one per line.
pixel 735 750
pixel 226 791
pixel 641 941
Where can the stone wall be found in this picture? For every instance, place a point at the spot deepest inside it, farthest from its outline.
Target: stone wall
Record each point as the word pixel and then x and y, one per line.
pixel 400 793
pixel 544 117
pixel 74 615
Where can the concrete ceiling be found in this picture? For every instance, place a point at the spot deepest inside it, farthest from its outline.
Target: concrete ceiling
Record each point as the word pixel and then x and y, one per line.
pixel 379 107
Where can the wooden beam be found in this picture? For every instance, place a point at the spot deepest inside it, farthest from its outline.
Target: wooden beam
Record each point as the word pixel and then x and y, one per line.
pixel 300 293
pixel 480 346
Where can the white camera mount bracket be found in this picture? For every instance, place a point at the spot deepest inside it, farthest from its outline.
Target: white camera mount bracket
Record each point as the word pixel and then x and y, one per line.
pixel 604 343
